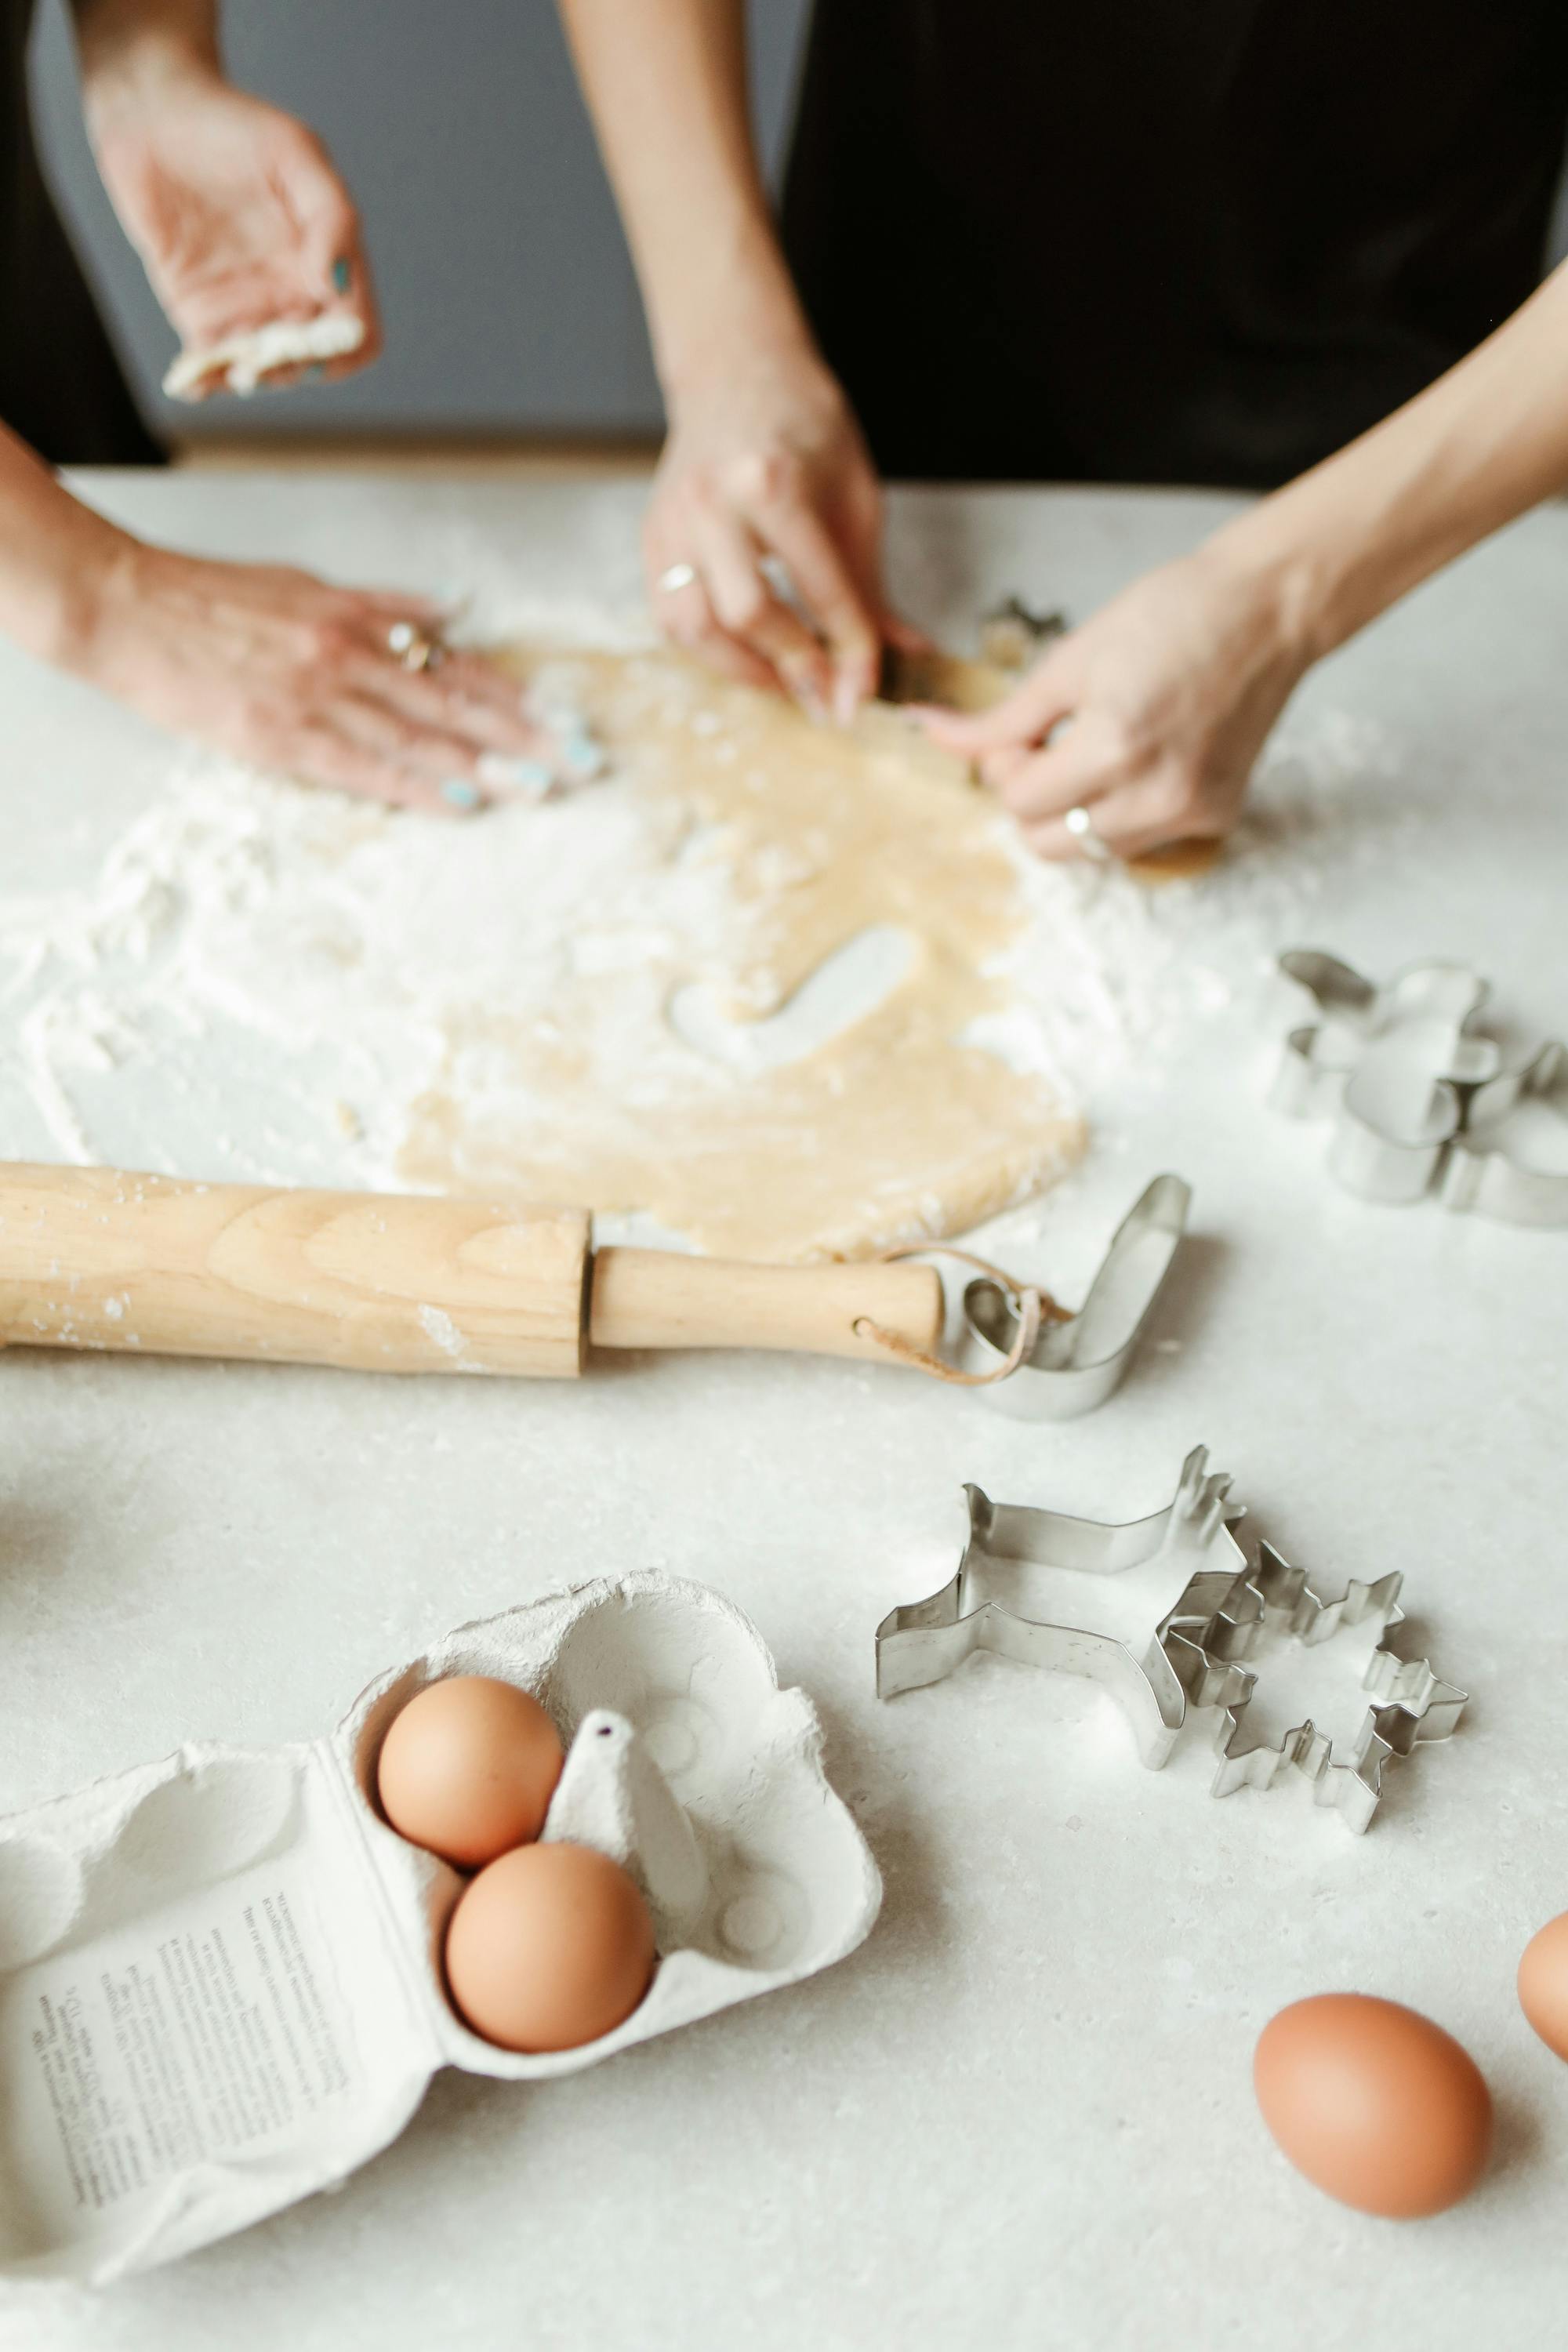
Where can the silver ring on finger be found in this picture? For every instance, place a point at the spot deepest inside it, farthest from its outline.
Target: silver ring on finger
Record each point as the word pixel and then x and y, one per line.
pixel 1080 824
pixel 677 576
pixel 413 648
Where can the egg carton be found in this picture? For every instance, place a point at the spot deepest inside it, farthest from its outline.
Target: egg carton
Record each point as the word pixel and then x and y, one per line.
pixel 221 1983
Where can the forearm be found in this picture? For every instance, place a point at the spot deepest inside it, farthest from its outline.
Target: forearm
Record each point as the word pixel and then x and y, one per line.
pixel 1481 446
pixel 665 81
pixel 126 44
pixel 55 554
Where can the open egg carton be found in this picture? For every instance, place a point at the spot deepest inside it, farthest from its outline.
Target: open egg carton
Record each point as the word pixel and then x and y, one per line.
pixel 221 1983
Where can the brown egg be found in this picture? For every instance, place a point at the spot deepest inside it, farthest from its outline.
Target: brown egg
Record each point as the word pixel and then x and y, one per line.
pixel 1543 1984
pixel 468 1768
pixel 1376 2104
pixel 549 1948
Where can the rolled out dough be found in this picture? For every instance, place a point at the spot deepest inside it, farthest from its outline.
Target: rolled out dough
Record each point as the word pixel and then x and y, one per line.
pixel 889 1128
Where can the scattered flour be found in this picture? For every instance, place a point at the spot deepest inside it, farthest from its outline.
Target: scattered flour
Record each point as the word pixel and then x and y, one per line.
pixel 261 982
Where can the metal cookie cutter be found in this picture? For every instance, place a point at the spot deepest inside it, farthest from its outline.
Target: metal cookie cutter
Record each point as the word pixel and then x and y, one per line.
pixel 1079 1359
pixel 1393 1066
pixel 1490 1168
pixel 1212 1620
pixel 1196 1655
pixel 1411 1703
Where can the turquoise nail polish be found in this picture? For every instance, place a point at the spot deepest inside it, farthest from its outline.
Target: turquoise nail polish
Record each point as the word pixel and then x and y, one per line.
pixel 531 778
pixel 342 275
pixel 458 793
pixel 582 755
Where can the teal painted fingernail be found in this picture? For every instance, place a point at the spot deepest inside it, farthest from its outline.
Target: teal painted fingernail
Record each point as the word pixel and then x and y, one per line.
pixel 458 793
pixel 342 275
pixel 582 754
pixel 530 778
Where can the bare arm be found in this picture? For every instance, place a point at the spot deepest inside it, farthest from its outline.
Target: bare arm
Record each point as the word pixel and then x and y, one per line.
pixel 764 460
pixel 666 83
pixel 1477 448
pixel 117 38
pixel 1174 687
pixel 51 550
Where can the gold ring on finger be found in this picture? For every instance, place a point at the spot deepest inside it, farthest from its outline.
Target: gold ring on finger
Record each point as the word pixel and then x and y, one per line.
pixel 413 648
pixel 1080 824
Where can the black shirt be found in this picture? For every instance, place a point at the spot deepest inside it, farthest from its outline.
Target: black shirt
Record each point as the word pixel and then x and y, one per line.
pixel 1164 240
pixel 60 385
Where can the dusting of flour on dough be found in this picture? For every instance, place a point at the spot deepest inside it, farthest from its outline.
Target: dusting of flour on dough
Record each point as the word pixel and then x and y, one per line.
pixel 266 983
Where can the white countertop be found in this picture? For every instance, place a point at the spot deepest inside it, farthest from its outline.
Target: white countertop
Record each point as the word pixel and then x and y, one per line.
pixel 1022 2114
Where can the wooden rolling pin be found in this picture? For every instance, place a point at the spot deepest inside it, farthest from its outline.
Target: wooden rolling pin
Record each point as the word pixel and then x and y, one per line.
pixel 385 1283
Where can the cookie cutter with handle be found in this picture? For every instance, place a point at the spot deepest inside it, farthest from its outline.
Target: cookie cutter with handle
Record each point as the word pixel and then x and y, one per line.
pixel 1079 1360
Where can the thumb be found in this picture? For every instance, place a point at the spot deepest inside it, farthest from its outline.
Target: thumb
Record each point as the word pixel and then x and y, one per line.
pixel 1025 717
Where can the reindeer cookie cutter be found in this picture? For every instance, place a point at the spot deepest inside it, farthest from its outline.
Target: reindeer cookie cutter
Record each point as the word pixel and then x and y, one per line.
pixel 1194 1656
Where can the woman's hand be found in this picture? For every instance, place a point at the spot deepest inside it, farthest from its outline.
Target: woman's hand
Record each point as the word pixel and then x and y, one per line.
pixel 290 674
pixel 766 479
pixel 234 206
pixel 1150 716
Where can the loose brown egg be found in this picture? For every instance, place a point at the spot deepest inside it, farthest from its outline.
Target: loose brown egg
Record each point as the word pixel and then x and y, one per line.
pixel 468 1768
pixel 549 1948
pixel 1376 2104
pixel 1543 1984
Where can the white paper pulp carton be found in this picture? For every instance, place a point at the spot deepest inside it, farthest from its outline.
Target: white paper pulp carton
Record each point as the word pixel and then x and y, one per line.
pixel 220 1975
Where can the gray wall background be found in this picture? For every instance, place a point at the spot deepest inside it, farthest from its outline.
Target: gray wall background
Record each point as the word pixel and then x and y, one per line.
pixel 508 295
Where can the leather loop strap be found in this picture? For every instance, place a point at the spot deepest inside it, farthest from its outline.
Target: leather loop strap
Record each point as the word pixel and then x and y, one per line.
pixel 1032 1307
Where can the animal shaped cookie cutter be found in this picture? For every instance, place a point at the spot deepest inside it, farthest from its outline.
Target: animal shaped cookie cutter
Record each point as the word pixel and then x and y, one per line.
pixel 1417 1092
pixel 925 1641
pixel 1392 1066
pixel 1196 1655
pixel 1491 1169
pixel 1079 1360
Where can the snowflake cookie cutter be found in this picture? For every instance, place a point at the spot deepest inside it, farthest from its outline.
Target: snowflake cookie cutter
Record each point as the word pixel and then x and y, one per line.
pixel 1411 1703
pixel 1195 1657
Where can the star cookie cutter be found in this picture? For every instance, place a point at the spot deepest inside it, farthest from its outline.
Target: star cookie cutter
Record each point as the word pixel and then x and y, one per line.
pixel 1079 1360
pixel 1190 1655
pixel 1411 1702
pixel 1393 1066
pixel 1493 1168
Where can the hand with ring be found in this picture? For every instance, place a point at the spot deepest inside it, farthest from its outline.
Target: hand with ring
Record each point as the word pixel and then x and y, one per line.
pixel 350 687
pixel 762 538
pixel 1171 690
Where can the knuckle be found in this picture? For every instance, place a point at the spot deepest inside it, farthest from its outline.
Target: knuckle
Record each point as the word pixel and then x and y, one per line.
pixel 746 606
pixel 694 630
pixel 766 476
pixel 326 642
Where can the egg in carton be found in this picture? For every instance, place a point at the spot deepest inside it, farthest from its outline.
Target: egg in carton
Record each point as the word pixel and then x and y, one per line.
pixel 220 1976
